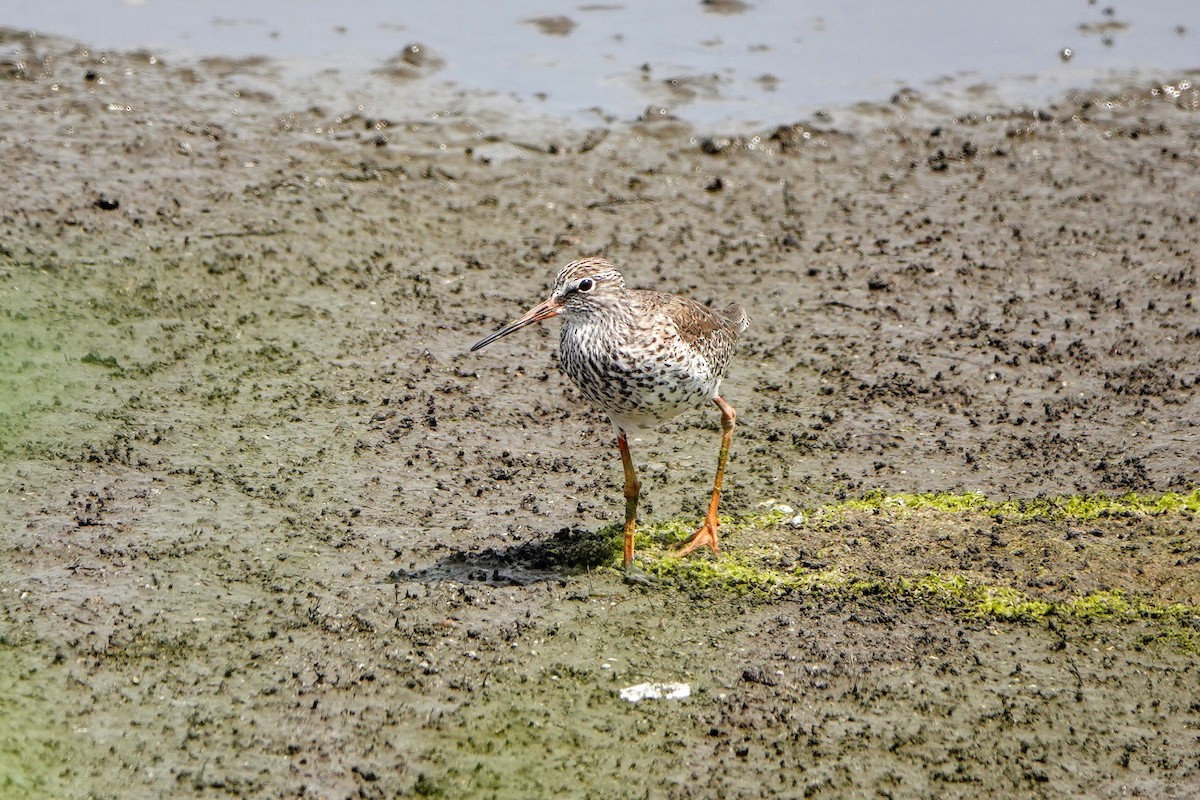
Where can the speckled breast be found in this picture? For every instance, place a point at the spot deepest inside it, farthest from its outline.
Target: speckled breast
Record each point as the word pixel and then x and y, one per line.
pixel 644 384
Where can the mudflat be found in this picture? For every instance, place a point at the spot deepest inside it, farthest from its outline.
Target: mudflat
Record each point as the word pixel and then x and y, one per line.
pixel 270 531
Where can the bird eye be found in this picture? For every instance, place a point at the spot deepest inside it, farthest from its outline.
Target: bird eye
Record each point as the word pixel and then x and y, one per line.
pixel 586 285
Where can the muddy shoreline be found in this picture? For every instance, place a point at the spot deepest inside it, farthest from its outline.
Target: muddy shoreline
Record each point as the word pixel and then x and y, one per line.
pixel 272 532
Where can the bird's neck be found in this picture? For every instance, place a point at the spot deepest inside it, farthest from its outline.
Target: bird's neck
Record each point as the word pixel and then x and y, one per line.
pixel 599 322
pixel 616 316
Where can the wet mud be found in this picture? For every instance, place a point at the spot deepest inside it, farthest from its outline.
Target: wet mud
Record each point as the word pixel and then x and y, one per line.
pixel 270 531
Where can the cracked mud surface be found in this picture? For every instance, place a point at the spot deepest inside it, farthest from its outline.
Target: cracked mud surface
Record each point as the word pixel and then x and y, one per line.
pixel 270 531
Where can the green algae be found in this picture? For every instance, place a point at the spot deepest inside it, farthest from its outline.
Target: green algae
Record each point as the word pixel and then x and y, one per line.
pixel 1078 508
pixel 35 751
pixel 762 571
pixel 742 575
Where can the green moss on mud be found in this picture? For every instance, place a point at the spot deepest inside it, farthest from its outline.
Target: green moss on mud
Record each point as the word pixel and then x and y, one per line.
pixel 35 753
pixel 763 571
pixel 745 575
pixel 1078 508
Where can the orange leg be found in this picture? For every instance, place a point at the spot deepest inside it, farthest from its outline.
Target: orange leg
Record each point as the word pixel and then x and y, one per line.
pixel 707 535
pixel 632 489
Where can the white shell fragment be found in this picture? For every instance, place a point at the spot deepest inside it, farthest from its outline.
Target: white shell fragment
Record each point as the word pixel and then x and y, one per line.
pixel 656 691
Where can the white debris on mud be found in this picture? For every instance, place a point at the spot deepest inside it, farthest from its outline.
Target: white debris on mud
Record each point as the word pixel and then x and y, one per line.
pixel 656 691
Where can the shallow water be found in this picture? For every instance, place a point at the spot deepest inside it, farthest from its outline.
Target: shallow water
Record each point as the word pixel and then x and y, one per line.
pixel 721 64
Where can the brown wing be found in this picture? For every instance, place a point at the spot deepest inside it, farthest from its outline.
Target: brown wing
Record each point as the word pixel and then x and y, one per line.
pixel 711 332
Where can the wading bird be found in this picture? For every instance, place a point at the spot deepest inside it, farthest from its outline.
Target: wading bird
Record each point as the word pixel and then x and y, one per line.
pixel 642 357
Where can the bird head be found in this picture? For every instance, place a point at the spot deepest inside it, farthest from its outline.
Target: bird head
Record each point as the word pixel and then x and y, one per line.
pixel 580 287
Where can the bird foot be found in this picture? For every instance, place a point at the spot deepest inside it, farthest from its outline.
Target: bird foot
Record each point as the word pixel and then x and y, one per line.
pixel 707 535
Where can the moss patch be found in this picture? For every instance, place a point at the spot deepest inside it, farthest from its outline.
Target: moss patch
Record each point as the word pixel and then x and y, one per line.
pixel 1079 508
pixel 1034 542
pixel 35 753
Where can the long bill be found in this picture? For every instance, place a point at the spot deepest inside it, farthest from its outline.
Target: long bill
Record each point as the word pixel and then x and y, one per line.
pixel 546 310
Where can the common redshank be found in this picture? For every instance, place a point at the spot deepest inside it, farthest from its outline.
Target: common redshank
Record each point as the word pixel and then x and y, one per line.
pixel 642 357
